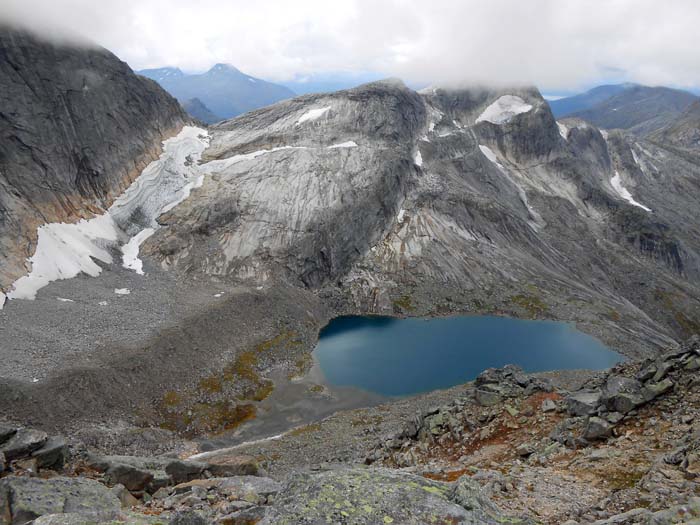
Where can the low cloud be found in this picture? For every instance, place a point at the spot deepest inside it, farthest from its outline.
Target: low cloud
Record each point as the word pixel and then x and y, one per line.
pixel 554 44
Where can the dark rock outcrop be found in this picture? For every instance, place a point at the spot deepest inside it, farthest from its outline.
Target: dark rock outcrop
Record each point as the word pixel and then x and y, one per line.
pixel 76 127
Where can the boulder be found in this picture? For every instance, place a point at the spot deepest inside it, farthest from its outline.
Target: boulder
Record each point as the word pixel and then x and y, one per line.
pixel 6 432
pixel 548 406
pixel 52 455
pixel 125 498
pixel 364 496
pixel 622 394
pixel 22 443
pixel 188 518
pixel 184 471
pixel 24 499
pixel 248 516
pixel 653 390
pixel 486 398
pixel 229 462
pixel 597 428
pixel 582 403
pixel 118 469
pixel 133 478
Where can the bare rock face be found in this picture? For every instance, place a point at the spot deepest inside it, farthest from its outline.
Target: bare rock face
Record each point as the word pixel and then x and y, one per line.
pixel 405 202
pixel 77 127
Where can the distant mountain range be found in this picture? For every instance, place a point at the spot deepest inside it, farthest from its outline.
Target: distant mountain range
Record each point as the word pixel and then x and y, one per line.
pixel 638 109
pixel 222 92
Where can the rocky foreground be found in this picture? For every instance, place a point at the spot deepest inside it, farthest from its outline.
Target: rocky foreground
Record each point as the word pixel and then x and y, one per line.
pixel 624 448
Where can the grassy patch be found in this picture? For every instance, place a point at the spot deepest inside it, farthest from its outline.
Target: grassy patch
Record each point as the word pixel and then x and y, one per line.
pixel 530 303
pixel 404 304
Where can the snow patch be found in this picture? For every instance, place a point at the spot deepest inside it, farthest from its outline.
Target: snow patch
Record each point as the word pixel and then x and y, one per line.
pixel 221 164
pixel 251 80
pixel 401 216
pixel 418 158
pixel 616 182
pixel 130 251
pixel 313 114
pixel 64 300
pixel 122 291
pixel 348 144
pixel 3 298
pixel 66 250
pixel 604 133
pixel 563 131
pixel 504 109
pixel 489 154
pixel 102 303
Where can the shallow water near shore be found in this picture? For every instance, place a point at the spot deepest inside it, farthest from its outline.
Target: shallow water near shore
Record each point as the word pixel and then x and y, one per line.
pixel 365 361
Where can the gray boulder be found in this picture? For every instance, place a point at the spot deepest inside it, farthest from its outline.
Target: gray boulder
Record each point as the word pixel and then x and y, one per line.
pixel 22 443
pixel 52 455
pixel 597 428
pixel 133 478
pixel 6 432
pixel 364 496
pixel 582 403
pixel 622 394
pixel 654 390
pixel 25 499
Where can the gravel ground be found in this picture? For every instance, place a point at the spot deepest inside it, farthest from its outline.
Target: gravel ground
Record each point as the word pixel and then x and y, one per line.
pixel 79 321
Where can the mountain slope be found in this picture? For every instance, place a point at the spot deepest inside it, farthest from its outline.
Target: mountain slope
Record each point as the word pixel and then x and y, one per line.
pixel 198 110
pixel 637 109
pixel 223 89
pixel 583 101
pixel 450 198
pixel 77 126
pixel 684 132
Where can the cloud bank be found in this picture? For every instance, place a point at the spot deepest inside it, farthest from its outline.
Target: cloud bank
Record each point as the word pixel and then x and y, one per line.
pixel 555 44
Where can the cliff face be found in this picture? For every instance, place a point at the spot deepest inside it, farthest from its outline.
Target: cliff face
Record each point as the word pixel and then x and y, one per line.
pixel 473 199
pixel 76 126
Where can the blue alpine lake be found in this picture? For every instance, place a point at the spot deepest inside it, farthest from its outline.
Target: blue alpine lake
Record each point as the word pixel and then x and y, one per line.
pixel 397 357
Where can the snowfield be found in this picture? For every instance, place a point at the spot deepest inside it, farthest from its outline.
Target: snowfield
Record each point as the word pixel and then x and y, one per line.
pixel 313 114
pixel 504 109
pixel 616 182
pixel 65 250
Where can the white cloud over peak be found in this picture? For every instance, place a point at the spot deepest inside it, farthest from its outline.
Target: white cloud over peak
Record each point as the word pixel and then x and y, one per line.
pixel 557 44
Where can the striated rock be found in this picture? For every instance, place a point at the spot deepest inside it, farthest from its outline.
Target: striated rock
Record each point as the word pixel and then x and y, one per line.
pixel 24 499
pixel 22 443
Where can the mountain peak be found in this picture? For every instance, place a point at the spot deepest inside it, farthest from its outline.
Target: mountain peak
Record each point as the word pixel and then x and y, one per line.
pixel 224 68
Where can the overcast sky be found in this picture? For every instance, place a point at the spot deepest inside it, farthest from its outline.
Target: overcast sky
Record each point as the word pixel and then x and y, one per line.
pixel 558 45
